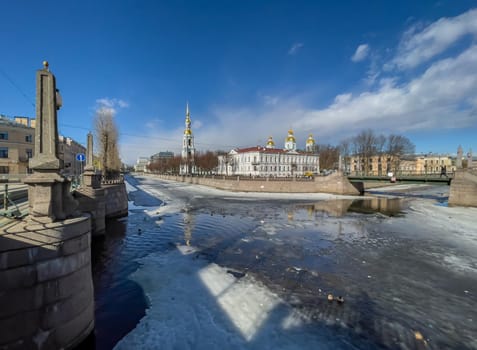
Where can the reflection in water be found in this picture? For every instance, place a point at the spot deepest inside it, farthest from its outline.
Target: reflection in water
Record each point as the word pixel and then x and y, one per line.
pixel 290 214
pixel 188 227
pixel 119 302
pixel 335 208
pixel 340 207
pixel 386 206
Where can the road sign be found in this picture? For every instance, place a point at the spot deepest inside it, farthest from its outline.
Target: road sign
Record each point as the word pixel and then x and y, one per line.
pixel 80 157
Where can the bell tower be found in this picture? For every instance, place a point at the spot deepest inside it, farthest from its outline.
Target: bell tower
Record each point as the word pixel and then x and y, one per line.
pixel 188 149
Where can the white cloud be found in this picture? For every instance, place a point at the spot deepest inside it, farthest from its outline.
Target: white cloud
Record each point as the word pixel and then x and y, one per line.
pixel 294 48
pixel 420 45
pixel 196 124
pixel 432 100
pixel 441 97
pixel 271 100
pixel 122 104
pixel 361 53
pixel 110 105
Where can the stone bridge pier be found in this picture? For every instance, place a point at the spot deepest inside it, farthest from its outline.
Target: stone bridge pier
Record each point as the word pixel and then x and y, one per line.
pixel 46 288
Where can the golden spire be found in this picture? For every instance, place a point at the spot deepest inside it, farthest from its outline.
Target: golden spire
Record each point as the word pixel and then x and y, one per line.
pixel 187 130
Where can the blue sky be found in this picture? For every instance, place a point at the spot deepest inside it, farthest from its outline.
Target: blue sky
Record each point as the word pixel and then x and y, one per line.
pixel 249 69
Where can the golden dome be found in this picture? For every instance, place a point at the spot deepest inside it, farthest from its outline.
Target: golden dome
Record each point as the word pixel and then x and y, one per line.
pixel 270 142
pixel 290 137
pixel 188 132
pixel 310 140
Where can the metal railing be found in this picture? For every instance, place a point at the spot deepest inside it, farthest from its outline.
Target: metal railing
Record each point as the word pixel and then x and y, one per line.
pixel 112 180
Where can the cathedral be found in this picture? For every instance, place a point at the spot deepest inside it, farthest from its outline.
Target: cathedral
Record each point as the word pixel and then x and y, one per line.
pixel 269 161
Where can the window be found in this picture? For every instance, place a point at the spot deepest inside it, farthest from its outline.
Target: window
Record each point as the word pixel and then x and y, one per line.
pixel 29 153
pixel 3 152
pixel 3 135
pixel 28 138
pixel 4 170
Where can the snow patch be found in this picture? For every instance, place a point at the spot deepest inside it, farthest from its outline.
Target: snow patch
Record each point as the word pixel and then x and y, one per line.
pixel 195 304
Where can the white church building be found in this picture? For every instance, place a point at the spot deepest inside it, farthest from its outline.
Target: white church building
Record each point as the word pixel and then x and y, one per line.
pixel 269 161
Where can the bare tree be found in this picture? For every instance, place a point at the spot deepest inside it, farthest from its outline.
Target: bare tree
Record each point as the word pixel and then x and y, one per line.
pixel 107 140
pixel 206 162
pixel 329 156
pixel 166 165
pixel 398 146
pixel 365 146
pixel 345 152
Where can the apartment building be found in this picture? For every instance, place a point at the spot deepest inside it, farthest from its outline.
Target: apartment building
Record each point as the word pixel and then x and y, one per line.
pixel 381 165
pixel 68 151
pixel 17 144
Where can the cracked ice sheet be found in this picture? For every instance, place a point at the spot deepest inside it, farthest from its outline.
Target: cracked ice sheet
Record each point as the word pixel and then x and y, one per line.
pixel 129 187
pixel 450 227
pixel 197 305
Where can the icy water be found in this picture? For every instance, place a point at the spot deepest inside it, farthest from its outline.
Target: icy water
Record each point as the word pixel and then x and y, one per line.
pixel 228 272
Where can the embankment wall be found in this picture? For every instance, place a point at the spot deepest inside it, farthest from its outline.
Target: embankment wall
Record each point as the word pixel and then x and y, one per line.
pixel 463 189
pixel 335 183
pixel 116 200
pixel 46 288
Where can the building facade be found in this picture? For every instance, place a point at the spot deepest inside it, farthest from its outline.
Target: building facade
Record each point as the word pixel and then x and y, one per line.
pixel 17 143
pixel 162 156
pixel 68 151
pixel 141 164
pixel 382 165
pixel 269 161
pixel 17 146
pixel 187 166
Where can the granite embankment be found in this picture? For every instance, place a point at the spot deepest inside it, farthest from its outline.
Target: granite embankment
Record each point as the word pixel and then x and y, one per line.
pixel 334 183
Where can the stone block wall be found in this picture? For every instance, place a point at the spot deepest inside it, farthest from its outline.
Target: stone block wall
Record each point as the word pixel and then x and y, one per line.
pixel 335 183
pixel 92 201
pixel 116 200
pixel 46 289
pixel 463 189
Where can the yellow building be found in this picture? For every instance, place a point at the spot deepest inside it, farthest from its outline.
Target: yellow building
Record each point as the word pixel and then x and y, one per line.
pixel 382 165
pixel 68 149
pixel 16 146
pixel 433 164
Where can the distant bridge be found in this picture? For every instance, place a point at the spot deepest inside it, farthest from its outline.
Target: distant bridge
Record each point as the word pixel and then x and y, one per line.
pixel 432 178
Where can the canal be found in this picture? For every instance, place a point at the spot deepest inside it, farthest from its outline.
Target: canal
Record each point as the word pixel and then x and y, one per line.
pixel 194 269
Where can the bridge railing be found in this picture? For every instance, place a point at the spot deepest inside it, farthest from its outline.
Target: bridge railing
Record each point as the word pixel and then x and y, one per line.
pixel 398 174
pixel 112 180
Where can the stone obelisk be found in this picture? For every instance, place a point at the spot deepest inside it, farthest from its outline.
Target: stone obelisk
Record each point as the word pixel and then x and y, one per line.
pixel 470 163
pixel 91 177
pixel 48 191
pixel 458 161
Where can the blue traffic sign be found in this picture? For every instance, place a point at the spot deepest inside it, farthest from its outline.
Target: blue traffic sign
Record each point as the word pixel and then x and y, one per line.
pixel 81 157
